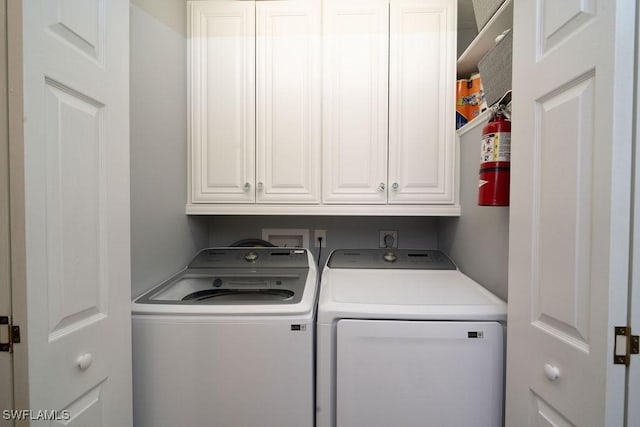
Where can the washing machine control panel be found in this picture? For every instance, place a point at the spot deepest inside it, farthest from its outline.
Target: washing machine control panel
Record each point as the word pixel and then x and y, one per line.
pixel 251 257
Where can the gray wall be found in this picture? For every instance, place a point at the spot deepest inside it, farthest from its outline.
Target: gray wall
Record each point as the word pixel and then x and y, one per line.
pixel 342 232
pixel 163 238
pixel 478 240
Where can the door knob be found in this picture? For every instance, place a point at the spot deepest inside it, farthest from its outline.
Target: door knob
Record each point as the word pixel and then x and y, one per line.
pixel 551 372
pixel 260 186
pixel 85 361
pixel 246 186
pixel 395 186
pixel 381 186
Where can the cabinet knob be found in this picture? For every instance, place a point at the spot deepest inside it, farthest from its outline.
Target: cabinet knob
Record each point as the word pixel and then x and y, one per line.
pixel 260 186
pixel 381 186
pixel 551 372
pixel 246 186
pixel 395 186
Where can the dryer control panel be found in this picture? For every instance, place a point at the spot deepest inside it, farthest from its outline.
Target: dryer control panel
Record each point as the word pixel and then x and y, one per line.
pixel 414 259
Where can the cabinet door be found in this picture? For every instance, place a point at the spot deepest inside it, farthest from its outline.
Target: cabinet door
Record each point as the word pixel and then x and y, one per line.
pixel 222 101
pixel 288 97
pixel 355 100
pixel 421 101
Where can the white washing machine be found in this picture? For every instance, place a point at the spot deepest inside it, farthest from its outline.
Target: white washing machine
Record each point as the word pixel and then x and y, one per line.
pixel 228 342
pixel 405 339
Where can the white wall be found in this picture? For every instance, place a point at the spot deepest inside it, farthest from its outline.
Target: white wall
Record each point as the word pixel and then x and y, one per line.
pixel 342 232
pixel 163 238
pixel 477 241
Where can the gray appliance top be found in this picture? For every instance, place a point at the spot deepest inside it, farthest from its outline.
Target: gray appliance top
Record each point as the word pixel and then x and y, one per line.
pixel 231 276
pixel 415 259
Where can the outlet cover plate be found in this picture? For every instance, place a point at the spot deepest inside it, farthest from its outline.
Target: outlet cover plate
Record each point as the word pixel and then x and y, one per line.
pixel 320 233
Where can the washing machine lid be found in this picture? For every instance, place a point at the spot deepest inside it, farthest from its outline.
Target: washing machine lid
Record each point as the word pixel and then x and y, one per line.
pixel 433 290
pixel 237 281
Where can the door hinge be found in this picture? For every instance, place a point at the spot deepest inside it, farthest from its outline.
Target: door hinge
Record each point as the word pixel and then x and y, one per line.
pixel 625 345
pixel 9 334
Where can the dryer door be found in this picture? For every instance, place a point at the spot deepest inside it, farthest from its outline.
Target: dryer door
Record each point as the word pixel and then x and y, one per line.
pixel 414 373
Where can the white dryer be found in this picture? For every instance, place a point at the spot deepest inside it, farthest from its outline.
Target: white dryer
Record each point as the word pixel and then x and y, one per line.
pixel 405 339
pixel 228 342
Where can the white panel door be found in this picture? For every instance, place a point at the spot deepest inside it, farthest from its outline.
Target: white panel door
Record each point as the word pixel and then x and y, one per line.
pixel 355 100
pixel 76 137
pixel 422 101
pixel 222 101
pixel 408 373
pixel 288 101
pixel 573 65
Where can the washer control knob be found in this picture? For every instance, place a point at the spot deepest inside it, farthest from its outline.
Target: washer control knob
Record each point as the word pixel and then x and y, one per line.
pixel 251 257
pixel 390 257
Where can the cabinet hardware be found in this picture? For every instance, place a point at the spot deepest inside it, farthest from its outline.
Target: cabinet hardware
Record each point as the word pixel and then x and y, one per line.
pixel 381 186
pixel 246 186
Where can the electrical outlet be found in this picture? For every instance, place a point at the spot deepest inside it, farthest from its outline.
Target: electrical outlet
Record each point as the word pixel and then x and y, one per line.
pixel 388 238
pixel 317 234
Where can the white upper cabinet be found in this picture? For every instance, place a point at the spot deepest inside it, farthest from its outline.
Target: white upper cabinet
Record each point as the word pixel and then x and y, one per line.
pixel 255 101
pixel 288 96
pixel 222 101
pixel 336 107
pixel 355 114
pixel 389 71
pixel 421 101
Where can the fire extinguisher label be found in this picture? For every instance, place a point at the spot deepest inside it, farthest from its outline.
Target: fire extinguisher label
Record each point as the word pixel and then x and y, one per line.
pixel 496 147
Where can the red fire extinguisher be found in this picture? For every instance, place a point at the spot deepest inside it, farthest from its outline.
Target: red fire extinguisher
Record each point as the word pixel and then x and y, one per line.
pixel 495 158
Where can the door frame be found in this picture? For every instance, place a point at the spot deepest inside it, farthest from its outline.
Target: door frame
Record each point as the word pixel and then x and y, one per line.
pixel 13 141
pixel 632 412
pixel 6 359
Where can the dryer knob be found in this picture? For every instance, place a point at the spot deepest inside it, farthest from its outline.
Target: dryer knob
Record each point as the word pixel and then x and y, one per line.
pixel 390 257
pixel 251 257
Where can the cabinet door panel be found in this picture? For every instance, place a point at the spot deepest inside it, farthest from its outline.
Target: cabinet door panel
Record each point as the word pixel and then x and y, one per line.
pixel 288 100
pixel 421 101
pixel 222 103
pixel 355 100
